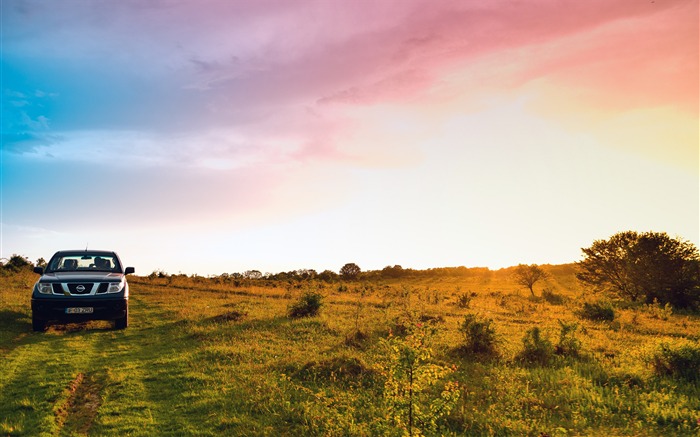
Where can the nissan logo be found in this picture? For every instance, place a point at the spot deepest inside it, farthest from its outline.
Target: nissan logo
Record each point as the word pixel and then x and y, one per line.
pixel 80 288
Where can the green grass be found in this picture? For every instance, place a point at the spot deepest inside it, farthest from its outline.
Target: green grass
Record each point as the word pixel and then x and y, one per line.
pixel 207 357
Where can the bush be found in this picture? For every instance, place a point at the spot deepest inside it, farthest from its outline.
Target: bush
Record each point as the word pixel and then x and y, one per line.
pixel 465 299
pixel 536 349
pixel 551 297
pixel 599 311
pixel 569 345
pixel 308 305
pixel 17 263
pixel 479 335
pixel 411 405
pixel 680 361
pixel 657 311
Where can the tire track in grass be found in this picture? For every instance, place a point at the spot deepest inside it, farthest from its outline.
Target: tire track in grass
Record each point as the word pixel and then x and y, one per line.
pixel 126 408
pixel 53 382
pixel 118 364
pixel 32 378
pixel 88 379
pixel 149 389
pixel 77 412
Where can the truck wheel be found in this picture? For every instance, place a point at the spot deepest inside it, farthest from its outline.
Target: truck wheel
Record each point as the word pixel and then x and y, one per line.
pixel 38 325
pixel 123 322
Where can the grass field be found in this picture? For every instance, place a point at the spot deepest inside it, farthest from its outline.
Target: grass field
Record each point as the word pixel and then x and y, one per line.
pixel 213 357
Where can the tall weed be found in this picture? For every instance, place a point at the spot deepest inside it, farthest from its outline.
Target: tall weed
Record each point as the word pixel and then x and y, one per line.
pixel 410 404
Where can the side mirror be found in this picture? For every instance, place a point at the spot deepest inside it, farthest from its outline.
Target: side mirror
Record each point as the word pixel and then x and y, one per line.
pixel 129 270
pixel 39 270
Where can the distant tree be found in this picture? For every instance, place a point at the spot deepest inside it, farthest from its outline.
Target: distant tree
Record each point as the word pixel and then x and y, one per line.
pixel 252 274
pixel 17 263
pixel 392 272
pixel 528 275
pixel 306 274
pixel 328 276
pixel 648 265
pixel 158 273
pixel 350 271
pixel 41 262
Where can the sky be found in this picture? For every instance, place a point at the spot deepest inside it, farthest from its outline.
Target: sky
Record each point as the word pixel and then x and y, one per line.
pixel 215 137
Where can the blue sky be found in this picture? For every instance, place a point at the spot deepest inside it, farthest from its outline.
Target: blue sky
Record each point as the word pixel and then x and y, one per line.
pixel 218 136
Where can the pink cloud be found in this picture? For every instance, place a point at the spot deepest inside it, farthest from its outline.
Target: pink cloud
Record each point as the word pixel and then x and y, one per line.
pixel 641 51
pixel 402 85
pixel 254 66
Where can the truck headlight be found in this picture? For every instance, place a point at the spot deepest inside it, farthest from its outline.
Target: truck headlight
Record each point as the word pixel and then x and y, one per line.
pixel 44 288
pixel 116 287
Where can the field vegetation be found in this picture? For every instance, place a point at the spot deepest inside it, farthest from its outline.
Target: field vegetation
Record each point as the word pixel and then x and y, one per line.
pixel 453 351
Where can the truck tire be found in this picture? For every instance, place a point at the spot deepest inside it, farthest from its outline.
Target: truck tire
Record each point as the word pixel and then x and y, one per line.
pixel 123 322
pixel 38 325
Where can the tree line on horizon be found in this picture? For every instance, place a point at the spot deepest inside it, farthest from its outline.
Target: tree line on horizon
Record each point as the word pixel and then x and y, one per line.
pixel 649 267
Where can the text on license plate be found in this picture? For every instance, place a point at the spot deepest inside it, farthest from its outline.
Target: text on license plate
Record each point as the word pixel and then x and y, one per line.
pixel 79 310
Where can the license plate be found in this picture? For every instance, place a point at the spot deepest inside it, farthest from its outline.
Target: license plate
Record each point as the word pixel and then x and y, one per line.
pixel 79 310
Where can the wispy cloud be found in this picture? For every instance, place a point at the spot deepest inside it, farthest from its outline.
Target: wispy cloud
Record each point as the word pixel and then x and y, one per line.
pixel 255 65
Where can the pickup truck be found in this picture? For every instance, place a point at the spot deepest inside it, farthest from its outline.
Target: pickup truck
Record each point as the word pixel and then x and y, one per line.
pixel 81 285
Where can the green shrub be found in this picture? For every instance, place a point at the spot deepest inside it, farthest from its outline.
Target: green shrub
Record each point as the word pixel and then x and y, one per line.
pixel 598 311
pixel 464 299
pixel 680 361
pixel 658 311
pixel 308 305
pixel 479 335
pixel 551 297
pixel 536 349
pixel 569 345
pixel 411 407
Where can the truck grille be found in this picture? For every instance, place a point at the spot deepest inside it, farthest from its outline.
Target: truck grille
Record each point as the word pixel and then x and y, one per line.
pixel 80 288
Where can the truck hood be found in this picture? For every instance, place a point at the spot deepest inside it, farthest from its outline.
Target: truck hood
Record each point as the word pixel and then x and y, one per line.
pixel 81 276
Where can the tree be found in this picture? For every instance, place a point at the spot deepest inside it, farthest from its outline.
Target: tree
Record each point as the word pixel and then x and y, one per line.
pixel 328 276
pixel 648 265
pixel 17 263
pixel 252 274
pixel 393 272
pixel 528 275
pixel 350 271
pixel 41 262
pixel 306 274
